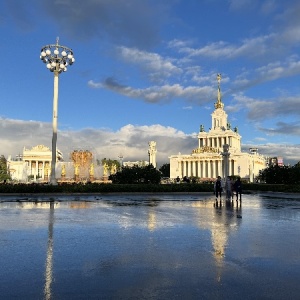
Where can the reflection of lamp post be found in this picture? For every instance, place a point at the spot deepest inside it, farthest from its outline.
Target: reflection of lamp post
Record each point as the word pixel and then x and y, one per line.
pixel 49 259
pixel 56 58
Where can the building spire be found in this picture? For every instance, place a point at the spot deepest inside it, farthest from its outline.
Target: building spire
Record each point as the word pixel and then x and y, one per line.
pixel 219 103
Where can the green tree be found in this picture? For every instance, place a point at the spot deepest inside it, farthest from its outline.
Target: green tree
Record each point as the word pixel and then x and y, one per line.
pixel 4 174
pixel 279 175
pixel 136 174
pixel 295 176
pixel 165 170
pixel 110 163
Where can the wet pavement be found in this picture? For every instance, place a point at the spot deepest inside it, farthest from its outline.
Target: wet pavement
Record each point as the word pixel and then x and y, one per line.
pixel 150 247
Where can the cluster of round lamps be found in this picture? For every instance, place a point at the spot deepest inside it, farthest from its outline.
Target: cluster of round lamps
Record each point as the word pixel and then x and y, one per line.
pixel 57 59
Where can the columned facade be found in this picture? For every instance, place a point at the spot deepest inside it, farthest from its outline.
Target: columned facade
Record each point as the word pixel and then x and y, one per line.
pixel 37 161
pixel 206 162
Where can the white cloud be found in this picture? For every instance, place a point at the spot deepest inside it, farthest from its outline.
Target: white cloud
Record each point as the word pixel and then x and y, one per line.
pixel 130 141
pixel 251 47
pixel 155 94
pixel 259 109
pixel 153 63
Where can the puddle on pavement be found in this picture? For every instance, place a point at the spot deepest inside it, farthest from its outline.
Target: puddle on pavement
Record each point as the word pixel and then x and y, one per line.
pixel 152 247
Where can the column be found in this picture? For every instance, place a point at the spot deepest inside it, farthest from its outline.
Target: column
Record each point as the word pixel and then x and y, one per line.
pixel 208 169
pixel 214 169
pixel 194 169
pixel 189 168
pixel 36 169
pixel 220 168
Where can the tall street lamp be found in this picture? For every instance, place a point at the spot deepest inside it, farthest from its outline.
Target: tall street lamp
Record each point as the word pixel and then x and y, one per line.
pixel 56 58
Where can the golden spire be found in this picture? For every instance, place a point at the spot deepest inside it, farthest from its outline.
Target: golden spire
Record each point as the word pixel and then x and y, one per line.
pixel 219 103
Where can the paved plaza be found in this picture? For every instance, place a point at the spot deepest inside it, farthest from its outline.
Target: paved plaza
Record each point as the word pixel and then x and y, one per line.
pixel 166 246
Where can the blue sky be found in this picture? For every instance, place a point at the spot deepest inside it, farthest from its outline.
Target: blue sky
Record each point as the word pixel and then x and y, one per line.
pixel 146 70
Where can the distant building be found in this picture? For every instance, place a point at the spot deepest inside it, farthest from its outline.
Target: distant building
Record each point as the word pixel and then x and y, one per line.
pixel 206 161
pixel 139 163
pixel 34 163
pixel 273 161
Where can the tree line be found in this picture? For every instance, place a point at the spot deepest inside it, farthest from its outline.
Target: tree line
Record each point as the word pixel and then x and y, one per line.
pixel 280 174
pixel 273 174
pixel 4 174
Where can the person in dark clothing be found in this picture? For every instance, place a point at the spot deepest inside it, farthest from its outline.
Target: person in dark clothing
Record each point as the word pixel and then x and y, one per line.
pixel 218 188
pixel 238 188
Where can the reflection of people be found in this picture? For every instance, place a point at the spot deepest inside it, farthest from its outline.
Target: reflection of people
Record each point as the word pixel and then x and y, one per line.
pixel 228 188
pixel 218 188
pixel 232 187
pixel 238 188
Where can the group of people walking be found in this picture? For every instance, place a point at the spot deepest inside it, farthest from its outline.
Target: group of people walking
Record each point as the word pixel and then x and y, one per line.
pixel 230 186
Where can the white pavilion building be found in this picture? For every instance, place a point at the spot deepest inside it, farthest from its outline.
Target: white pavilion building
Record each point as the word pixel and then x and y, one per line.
pixel 206 161
pixel 34 162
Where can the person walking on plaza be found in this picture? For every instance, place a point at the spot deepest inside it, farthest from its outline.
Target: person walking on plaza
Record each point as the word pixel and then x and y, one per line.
pixel 238 189
pixel 228 188
pixel 218 188
pixel 232 187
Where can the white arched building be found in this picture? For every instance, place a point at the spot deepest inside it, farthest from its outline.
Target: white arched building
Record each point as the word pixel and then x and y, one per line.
pixel 206 161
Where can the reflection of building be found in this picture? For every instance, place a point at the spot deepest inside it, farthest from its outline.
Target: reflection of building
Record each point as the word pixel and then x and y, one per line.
pixel 151 219
pixel 221 222
pixel 206 160
pixel 35 163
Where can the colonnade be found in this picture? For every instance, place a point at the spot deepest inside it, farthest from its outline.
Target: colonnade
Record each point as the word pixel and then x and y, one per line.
pixel 218 142
pixel 210 168
pixel 39 168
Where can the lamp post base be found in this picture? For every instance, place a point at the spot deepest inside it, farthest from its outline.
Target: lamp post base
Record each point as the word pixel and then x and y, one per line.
pixel 53 181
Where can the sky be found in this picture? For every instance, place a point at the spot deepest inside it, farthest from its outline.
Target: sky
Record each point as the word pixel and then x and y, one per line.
pixel 145 70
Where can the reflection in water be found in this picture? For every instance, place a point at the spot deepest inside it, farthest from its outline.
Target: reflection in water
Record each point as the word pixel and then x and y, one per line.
pixel 132 202
pixel 80 205
pixel 151 219
pixel 220 221
pixel 49 259
pixel 37 204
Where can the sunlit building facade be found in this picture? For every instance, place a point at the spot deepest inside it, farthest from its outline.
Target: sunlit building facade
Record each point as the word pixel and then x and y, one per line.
pixel 34 163
pixel 206 161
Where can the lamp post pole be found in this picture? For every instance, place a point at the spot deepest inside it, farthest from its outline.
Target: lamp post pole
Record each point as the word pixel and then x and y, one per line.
pixel 121 161
pixel 56 58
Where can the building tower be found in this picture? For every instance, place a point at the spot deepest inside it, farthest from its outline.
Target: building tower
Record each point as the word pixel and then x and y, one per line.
pixel 206 161
pixel 152 153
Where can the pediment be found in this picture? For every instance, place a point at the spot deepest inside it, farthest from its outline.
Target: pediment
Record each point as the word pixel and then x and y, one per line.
pixel 40 148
